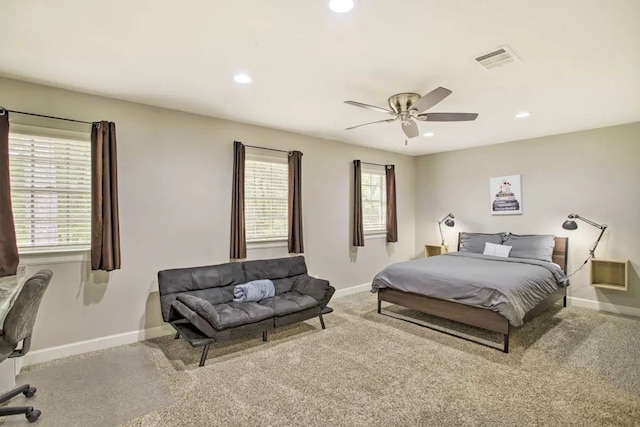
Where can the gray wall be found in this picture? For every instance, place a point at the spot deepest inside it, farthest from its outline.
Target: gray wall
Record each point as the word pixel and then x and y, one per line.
pixel 175 183
pixel 175 204
pixel 593 173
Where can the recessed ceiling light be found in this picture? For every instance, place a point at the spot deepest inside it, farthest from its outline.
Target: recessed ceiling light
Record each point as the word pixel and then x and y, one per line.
pixel 428 134
pixel 341 6
pixel 242 78
pixel 522 115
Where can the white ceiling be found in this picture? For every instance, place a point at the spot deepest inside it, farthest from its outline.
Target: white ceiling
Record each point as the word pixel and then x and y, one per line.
pixel 580 66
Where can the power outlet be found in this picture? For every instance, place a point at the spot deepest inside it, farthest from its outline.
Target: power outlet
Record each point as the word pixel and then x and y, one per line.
pixel 22 270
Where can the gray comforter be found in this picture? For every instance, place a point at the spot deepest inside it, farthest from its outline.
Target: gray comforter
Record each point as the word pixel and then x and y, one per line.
pixel 510 286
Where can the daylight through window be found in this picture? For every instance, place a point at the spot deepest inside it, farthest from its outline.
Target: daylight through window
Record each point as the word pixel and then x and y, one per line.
pixel 374 201
pixel 50 192
pixel 266 189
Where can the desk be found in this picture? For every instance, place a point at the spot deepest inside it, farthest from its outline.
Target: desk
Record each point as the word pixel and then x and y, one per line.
pixel 10 286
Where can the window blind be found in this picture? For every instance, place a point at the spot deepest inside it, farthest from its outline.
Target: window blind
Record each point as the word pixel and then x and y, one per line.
pixel 266 198
pixel 374 202
pixel 50 192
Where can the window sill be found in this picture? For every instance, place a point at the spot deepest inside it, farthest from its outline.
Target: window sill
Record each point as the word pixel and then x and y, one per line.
pixel 55 256
pixel 267 244
pixel 377 235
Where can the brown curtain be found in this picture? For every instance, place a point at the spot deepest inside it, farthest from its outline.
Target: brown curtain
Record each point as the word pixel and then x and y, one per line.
pixel 105 221
pixel 296 245
pixel 392 215
pixel 358 225
pixel 238 237
pixel 8 247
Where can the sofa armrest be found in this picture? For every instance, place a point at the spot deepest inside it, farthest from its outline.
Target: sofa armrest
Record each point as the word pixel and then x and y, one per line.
pixel 202 308
pixel 318 289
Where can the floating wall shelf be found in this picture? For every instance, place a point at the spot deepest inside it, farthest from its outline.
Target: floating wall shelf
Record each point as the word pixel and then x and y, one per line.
pixel 610 274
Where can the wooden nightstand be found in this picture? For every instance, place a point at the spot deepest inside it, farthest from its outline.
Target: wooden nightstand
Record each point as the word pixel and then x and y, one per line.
pixel 433 250
pixel 610 274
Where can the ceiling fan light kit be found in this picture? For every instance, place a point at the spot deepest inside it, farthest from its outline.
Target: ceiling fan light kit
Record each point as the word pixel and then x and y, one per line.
pixel 409 107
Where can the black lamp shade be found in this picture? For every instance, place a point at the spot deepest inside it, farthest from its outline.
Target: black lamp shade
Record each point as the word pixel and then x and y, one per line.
pixel 449 223
pixel 570 225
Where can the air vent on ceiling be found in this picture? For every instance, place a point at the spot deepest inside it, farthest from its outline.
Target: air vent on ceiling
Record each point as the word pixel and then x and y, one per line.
pixel 497 57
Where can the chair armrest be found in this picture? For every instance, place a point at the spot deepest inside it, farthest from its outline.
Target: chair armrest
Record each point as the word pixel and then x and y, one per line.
pixel 318 289
pixel 202 308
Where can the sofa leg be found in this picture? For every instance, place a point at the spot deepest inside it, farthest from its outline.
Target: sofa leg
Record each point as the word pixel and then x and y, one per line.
pixel 203 358
pixel 322 322
pixel 265 335
pixel 177 336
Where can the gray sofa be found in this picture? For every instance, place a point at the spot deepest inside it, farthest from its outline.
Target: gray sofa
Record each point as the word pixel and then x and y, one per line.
pixel 198 301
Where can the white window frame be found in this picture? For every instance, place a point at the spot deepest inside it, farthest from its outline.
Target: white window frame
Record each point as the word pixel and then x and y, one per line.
pixel 379 173
pixel 274 240
pixel 60 251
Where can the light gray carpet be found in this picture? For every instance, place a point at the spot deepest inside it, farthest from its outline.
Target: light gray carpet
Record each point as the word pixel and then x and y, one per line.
pixel 568 367
pixel 100 389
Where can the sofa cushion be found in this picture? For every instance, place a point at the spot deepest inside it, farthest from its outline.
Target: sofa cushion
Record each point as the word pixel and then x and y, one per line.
pixel 289 302
pixel 214 283
pixel 274 268
pixel 201 307
pixel 215 295
pixel 239 313
pixel 194 318
pixel 223 316
pixel 316 288
pixel 285 284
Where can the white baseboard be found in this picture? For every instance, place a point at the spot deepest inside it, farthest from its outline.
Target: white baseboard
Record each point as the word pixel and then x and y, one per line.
pixel 102 343
pixel 352 290
pixel 52 353
pixel 604 306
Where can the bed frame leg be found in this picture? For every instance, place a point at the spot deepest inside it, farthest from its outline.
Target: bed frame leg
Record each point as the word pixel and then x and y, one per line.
pixel 203 358
pixel 564 301
pixel 322 322
pixel 379 305
pixel 265 335
pixel 177 336
pixel 506 343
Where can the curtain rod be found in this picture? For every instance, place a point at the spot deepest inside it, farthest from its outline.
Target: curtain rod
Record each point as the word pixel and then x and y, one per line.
pixel 264 148
pixel 2 111
pixel 375 164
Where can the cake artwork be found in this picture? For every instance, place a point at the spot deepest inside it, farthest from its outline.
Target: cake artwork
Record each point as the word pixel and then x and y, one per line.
pixel 505 195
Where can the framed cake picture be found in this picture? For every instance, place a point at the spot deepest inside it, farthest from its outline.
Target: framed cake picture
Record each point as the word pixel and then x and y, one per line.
pixel 505 195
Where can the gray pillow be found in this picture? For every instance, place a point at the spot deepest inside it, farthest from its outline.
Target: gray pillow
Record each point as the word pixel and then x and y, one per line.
pixel 532 246
pixel 474 242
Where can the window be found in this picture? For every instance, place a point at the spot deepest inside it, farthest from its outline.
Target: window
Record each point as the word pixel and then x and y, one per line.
pixel 374 201
pixel 266 195
pixel 50 191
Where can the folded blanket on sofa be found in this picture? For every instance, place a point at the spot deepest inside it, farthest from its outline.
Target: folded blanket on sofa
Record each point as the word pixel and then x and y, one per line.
pixel 255 290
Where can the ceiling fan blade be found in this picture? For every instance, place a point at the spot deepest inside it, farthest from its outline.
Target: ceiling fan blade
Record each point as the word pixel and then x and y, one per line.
pixel 365 124
pixel 369 107
pixel 447 117
pixel 430 99
pixel 411 129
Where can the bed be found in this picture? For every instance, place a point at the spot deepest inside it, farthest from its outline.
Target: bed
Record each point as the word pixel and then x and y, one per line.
pixel 483 291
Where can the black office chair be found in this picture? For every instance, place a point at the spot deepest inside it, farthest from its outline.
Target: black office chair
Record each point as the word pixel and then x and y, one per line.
pixel 18 327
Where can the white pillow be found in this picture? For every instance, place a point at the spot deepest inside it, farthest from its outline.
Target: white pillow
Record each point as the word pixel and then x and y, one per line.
pixel 496 250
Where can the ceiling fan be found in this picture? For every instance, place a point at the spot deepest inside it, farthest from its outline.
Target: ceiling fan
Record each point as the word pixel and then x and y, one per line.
pixel 408 107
